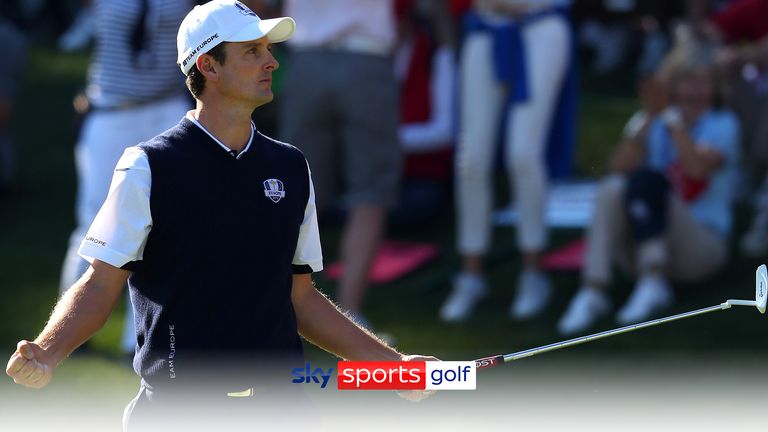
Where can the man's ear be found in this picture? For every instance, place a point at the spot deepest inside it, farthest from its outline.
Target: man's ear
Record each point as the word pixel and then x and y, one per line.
pixel 207 65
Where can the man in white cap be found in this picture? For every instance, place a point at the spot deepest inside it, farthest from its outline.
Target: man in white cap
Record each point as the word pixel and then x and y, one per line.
pixel 213 225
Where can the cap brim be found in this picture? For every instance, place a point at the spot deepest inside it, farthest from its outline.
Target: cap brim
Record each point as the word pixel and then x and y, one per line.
pixel 276 29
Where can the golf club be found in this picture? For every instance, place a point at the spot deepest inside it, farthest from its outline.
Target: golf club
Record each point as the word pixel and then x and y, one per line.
pixel 761 283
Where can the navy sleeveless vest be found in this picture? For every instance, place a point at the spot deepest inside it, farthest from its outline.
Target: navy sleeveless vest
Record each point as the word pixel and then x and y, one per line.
pixel 213 291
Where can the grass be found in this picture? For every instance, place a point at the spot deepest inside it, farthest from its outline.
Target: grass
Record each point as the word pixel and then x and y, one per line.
pixel 36 220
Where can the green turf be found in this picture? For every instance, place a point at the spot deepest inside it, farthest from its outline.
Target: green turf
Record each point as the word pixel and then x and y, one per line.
pixel 36 220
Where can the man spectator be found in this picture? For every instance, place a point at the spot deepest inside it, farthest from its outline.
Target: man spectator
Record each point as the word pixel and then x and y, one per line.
pixel 340 107
pixel 134 92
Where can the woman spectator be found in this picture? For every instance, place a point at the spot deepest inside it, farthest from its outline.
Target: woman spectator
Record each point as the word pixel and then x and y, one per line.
pixel 666 213
pixel 514 61
pixel 425 67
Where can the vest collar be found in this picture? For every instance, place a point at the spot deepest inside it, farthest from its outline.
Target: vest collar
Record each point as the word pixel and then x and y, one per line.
pixel 191 118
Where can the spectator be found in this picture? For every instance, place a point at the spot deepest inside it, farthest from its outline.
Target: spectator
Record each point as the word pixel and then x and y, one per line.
pixel 742 27
pixel 665 215
pixel 616 29
pixel 135 91
pixel 425 67
pixel 340 107
pixel 514 60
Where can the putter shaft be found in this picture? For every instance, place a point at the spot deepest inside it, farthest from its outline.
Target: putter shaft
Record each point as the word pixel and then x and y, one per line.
pixel 496 360
pixel 583 339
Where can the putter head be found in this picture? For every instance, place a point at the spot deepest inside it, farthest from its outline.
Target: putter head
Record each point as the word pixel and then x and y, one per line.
pixel 761 286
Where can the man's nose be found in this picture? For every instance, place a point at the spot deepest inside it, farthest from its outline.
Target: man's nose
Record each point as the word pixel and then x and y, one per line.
pixel 272 63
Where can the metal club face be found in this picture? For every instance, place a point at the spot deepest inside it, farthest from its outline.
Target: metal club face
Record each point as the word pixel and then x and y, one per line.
pixel 761 286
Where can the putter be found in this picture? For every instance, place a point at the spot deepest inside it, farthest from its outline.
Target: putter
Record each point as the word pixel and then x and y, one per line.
pixel 761 285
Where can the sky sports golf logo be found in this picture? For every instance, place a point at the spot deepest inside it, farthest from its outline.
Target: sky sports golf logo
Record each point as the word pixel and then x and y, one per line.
pixel 413 375
pixel 395 375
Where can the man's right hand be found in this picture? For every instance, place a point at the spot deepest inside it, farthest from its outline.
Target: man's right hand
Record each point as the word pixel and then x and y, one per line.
pixel 30 365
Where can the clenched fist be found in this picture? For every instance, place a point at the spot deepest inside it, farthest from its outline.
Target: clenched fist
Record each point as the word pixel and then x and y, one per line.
pixel 30 365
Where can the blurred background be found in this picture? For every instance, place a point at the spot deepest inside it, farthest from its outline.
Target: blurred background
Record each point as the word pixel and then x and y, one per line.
pixel 509 115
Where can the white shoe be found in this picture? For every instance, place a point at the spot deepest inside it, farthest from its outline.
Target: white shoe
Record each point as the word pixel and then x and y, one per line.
pixel 468 289
pixel 651 294
pixel 586 307
pixel 533 293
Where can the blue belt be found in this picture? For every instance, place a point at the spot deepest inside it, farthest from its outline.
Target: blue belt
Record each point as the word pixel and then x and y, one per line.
pixel 508 49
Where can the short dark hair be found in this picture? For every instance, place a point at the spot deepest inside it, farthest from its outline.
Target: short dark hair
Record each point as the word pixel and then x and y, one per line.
pixel 195 78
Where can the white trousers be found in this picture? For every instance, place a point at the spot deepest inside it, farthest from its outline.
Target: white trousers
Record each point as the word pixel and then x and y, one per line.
pixel 103 138
pixel 687 252
pixel 547 49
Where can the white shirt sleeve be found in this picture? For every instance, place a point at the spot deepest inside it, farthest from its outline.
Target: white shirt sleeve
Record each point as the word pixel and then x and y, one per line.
pixel 119 232
pixel 308 249
pixel 635 124
pixel 437 132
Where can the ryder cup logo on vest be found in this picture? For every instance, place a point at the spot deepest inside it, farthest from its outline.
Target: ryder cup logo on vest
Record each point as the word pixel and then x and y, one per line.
pixel 273 189
pixel 244 9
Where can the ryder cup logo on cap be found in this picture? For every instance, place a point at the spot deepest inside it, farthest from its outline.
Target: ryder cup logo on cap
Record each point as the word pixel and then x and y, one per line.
pixel 224 21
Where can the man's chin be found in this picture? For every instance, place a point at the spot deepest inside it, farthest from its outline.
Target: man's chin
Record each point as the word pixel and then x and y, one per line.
pixel 265 99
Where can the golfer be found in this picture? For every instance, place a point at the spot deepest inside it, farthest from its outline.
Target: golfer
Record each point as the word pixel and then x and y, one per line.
pixel 213 226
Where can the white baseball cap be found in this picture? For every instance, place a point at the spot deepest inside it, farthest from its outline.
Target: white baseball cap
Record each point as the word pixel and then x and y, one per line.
pixel 220 21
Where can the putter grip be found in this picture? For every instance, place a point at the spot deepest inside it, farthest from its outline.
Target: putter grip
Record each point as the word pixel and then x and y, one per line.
pixel 488 362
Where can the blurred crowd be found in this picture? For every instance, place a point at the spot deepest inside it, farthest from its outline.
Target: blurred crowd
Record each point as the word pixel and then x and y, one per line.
pixel 403 107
